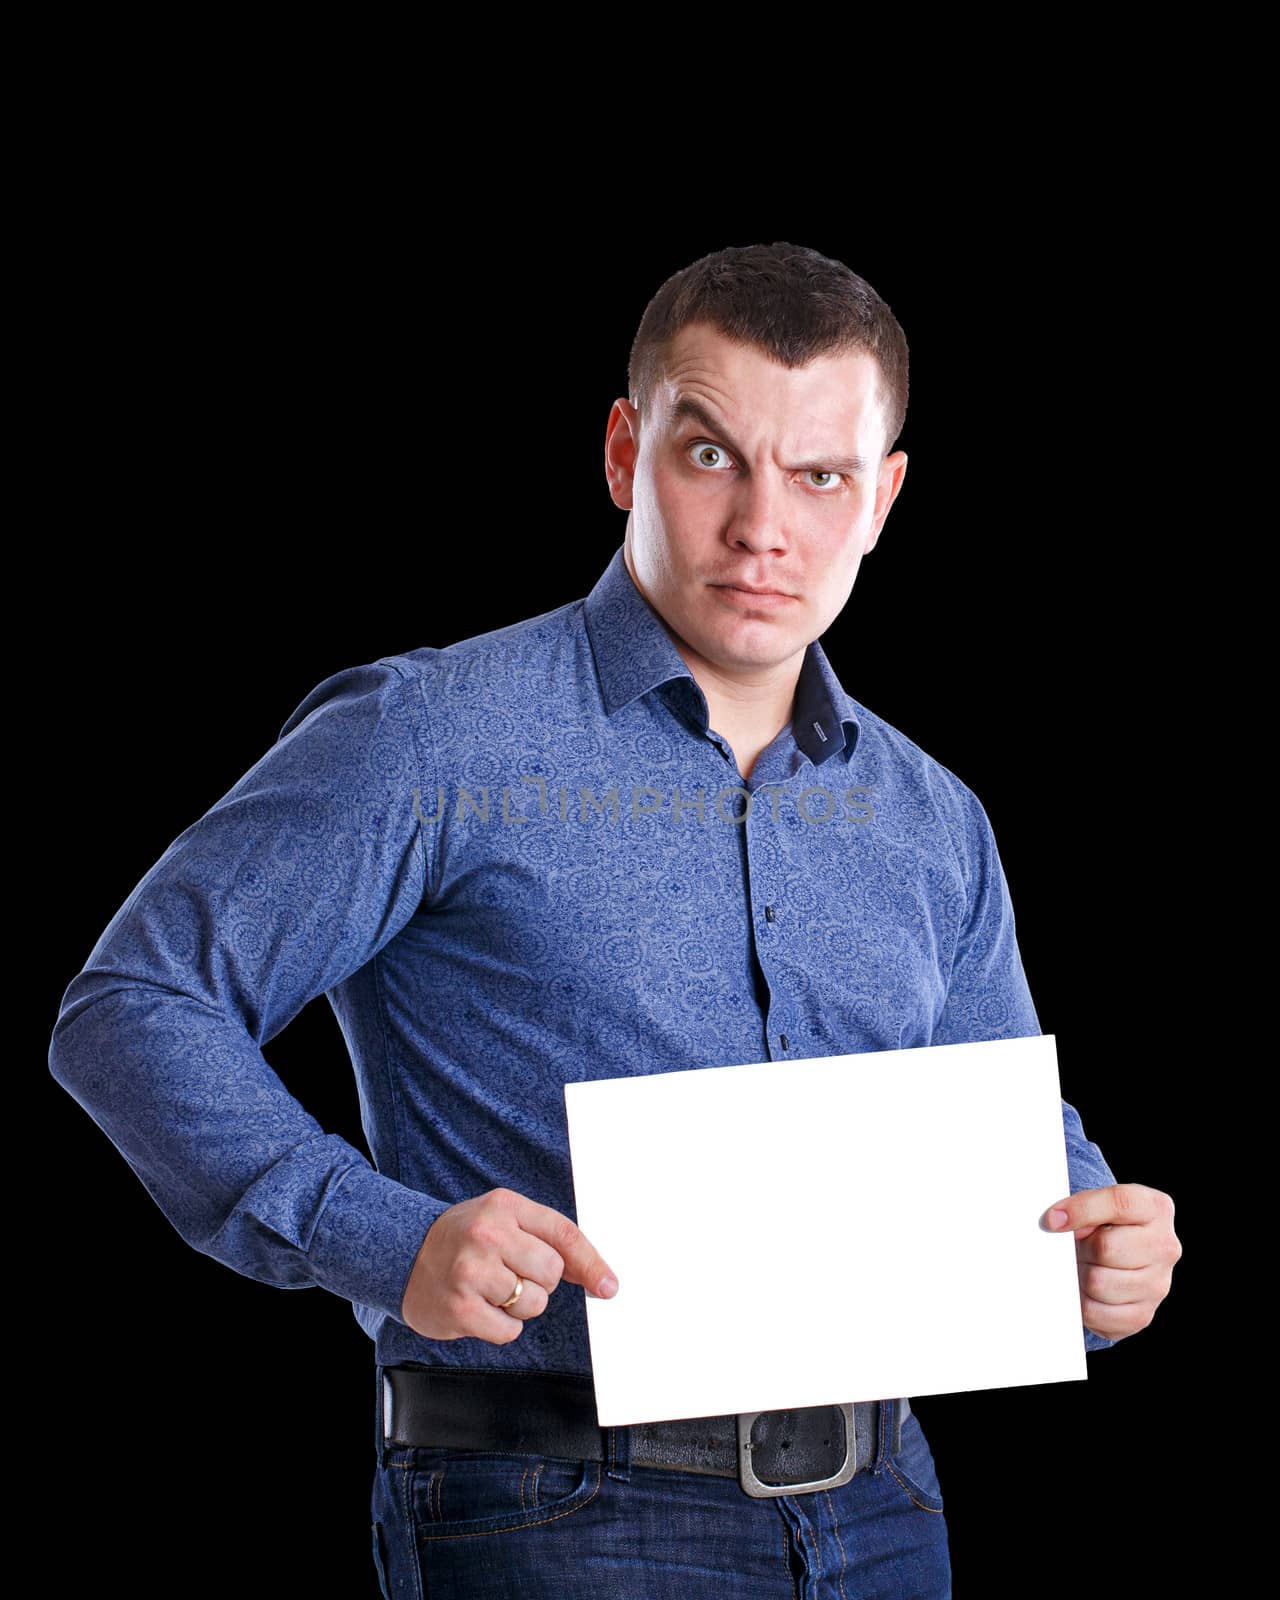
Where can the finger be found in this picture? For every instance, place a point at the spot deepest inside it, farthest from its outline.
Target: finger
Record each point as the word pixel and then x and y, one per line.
pixel 1118 1247
pixel 583 1263
pixel 1118 1286
pixel 1116 1322
pixel 1116 1202
pixel 478 1318
pixel 529 1303
pixel 479 1284
pixel 533 1258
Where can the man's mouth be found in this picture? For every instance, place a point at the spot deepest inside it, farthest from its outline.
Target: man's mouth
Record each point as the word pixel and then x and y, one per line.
pixel 745 594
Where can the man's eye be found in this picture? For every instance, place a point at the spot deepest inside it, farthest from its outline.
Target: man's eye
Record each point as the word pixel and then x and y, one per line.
pixel 714 458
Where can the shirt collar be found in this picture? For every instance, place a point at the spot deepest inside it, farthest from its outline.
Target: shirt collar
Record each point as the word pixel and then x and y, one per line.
pixel 634 654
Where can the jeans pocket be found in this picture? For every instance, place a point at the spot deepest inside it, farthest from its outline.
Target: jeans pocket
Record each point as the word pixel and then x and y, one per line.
pixel 912 1468
pixel 461 1493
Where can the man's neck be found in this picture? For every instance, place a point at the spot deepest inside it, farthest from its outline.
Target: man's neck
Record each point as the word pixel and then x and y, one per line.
pixel 747 712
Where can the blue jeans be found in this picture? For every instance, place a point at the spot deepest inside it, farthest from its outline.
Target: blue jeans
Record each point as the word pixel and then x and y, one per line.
pixel 449 1524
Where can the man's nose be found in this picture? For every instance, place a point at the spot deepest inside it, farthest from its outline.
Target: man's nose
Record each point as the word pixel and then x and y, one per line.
pixel 758 518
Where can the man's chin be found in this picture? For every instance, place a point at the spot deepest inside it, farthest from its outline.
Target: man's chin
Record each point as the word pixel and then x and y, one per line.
pixel 761 649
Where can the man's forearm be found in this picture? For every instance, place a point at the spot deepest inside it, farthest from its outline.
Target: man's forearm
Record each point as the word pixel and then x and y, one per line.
pixel 240 1168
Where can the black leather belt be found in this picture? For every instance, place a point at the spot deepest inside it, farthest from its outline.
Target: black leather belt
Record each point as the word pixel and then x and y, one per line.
pixel 554 1414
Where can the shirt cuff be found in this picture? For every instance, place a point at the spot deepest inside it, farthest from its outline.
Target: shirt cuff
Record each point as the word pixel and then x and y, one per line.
pixel 1096 1341
pixel 367 1238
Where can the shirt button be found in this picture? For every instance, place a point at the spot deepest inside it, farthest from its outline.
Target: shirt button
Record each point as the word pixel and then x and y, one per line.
pixel 785 1044
pixel 768 914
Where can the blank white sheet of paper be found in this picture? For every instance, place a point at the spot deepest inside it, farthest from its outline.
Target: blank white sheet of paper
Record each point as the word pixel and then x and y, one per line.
pixel 801 1233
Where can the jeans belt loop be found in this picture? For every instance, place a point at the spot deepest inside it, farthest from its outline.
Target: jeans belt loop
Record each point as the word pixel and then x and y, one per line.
pixel 617 1444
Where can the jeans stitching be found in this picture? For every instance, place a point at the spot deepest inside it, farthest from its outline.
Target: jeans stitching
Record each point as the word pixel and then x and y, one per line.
pixel 898 1478
pixel 407 1512
pixel 380 1565
pixel 616 1438
pixel 485 1533
pixel 844 1560
pixel 804 1523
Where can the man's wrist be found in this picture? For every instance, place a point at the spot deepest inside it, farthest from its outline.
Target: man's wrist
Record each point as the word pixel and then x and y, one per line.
pixel 368 1236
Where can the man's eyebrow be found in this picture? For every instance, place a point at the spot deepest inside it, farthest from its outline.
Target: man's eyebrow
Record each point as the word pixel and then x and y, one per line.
pixel 687 409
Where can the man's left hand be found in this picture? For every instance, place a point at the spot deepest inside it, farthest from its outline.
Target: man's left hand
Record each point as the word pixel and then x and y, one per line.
pixel 1126 1251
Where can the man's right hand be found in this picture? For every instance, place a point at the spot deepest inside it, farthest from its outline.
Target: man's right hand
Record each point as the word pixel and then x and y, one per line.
pixel 473 1253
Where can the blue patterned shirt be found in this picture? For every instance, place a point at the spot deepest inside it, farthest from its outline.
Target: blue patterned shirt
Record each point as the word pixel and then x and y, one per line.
pixel 510 864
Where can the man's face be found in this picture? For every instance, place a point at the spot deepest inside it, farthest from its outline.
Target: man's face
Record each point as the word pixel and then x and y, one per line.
pixel 754 491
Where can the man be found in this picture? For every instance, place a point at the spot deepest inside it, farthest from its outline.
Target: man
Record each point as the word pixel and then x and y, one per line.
pixel 644 832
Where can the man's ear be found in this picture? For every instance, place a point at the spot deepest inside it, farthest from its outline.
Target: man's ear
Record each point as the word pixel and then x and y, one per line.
pixel 621 450
pixel 888 482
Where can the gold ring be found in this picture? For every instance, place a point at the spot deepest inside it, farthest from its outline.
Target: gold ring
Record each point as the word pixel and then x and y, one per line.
pixel 514 1295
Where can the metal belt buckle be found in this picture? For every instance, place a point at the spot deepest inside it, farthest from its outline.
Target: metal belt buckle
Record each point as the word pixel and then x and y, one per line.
pixel 753 1485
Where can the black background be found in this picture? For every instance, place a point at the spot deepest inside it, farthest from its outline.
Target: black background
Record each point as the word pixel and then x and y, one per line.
pixel 311 425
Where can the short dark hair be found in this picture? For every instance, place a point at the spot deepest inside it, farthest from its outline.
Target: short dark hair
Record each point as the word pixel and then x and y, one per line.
pixel 785 298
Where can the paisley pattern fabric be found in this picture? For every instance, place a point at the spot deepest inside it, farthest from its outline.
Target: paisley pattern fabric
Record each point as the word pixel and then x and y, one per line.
pixel 510 864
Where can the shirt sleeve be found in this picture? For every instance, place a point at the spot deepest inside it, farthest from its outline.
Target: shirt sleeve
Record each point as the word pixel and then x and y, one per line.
pixel 988 996
pixel 296 878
